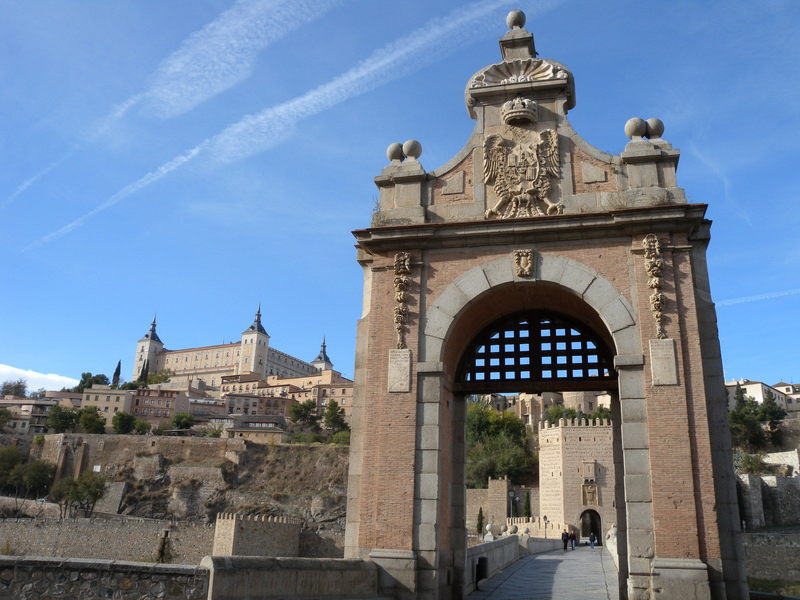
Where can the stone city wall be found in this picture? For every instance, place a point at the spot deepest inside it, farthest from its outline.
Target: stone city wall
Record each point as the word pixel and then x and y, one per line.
pixel 33 578
pixel 321 544
pixel 769 501
pixel 493 500
pixel 247 577
pixel 131 540
pixel 256 535
pixel 72 452
pixel 773 555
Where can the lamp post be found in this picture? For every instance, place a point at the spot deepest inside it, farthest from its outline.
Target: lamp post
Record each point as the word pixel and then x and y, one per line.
pixel 544 518
pixel 511 503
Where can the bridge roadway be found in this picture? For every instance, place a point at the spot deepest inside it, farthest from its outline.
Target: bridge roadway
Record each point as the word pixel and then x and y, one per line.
pixel 581 574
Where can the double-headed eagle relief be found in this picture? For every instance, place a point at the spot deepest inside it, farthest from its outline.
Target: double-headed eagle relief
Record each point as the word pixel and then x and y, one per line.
pixel 520 174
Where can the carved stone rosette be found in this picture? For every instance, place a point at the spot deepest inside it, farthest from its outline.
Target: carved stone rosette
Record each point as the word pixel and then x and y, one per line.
pixel 402 281
pixel 654 265
pixel 523 262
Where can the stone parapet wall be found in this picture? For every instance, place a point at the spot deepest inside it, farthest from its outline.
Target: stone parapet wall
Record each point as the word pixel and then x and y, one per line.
pixel 28 578
pixel 256 535
pixel 537 527
pixel 127 540
pixel 247 577
pixel 500 553
pixel 773 555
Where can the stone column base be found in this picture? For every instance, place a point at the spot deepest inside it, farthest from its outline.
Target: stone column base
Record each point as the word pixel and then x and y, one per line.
pixel 684 578
pixel 397 572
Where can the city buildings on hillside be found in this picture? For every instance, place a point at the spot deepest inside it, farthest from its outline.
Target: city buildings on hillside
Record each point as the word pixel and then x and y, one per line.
pixel 158 406
pixel 108 401
pixel 252 354
pixel 28 415
pixel 792 392
pixel 758 391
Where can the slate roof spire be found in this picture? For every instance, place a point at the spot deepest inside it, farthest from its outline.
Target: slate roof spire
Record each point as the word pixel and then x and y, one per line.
pixel 152 335
pixel 257 326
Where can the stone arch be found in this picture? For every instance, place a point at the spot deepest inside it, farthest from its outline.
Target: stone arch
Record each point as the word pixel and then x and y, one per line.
pixel 442 340
pixel 596 291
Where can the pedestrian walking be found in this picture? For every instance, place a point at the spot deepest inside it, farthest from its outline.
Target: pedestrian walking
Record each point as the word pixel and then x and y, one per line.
pixel 572 539
pixel 592 539
pixel 565 539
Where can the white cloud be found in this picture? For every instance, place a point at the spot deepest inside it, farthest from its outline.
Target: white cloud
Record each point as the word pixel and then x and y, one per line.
pixel 36 380
pixel 758 297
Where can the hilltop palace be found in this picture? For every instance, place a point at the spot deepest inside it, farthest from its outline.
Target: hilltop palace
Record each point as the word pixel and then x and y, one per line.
pixel 252 354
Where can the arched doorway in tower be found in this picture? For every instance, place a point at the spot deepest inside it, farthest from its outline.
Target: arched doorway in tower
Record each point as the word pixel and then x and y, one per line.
pixel 590 522
pixel 537 339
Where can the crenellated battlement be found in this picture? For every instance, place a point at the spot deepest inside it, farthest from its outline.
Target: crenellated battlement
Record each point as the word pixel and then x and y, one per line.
pixel 575 423
pixel 233 516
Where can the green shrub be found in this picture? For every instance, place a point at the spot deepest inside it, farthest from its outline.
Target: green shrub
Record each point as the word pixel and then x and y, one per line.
pixel 38 440
pixel 341 437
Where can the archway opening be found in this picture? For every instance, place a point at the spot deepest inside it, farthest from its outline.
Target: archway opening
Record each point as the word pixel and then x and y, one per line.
pixel 590 522
pixel 541 340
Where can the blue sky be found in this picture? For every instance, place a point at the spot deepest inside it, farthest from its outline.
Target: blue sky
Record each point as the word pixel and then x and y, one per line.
pixel 193 158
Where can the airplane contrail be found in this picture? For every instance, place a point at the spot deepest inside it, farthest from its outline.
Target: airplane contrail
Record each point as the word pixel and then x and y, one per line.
pixel 758 297
pixel 260 131
pixel 210 61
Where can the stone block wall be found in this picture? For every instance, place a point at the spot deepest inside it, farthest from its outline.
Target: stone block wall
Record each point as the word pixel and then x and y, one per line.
pixel 773 556
pixel 500 553
pixel 256 535
pixel 781 498
pixel 493 500
pixel 29 578
pixel 127 540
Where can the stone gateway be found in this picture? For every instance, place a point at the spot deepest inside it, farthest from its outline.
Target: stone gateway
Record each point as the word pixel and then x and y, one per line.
pixel 533 262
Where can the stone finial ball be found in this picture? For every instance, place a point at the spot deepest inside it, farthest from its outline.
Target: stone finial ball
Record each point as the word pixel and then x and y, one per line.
pixel 527 531
pixel 635 127
pixel 516 18
pixel 504 528
pixel 489 528
pixel 395 151
pixel 655 127
pixel 513 529
pixel 412 148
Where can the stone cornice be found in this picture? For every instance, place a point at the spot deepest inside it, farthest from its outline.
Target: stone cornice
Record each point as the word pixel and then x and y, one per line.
pixel 556 228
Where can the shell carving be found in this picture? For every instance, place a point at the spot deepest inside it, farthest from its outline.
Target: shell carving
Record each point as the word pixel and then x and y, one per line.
pixel 517 71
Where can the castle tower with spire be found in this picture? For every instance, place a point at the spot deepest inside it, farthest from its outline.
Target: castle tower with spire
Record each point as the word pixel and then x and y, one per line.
pixel 147 350
pixel 254 347
pixel 322 362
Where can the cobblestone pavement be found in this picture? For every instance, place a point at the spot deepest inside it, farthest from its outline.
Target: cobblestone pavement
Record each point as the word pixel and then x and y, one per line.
pixel 582 574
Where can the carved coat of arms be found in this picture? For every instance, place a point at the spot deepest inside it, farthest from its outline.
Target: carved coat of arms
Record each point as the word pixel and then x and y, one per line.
pixel 520 174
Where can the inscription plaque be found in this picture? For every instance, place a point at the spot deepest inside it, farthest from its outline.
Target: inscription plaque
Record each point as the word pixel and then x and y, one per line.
pixel 399 370
pixel 663 365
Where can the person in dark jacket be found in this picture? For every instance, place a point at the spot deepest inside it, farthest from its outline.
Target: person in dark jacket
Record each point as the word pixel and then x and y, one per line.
pixel 572 539
pixel 592 539
pixel 565 539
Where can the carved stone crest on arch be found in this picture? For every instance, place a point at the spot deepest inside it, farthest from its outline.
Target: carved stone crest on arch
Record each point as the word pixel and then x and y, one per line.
pixel 523 262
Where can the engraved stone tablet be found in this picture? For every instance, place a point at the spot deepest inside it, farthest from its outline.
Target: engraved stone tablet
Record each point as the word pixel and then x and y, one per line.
pixel 454 185
pixel 663 366
pixel 592 174
pixel 400 370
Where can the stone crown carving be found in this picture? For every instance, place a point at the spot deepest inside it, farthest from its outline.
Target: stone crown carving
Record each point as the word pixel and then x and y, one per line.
pixel 517 71
pixel 519 110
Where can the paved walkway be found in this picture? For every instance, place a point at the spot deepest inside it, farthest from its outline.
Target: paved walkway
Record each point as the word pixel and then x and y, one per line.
pixel 582 574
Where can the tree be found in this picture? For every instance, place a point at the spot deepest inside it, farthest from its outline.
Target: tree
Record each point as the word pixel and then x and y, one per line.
pixel 161 376
pixel 90 420
pixel 304 414
pixel 37 477
pixel 116 375
pixel 14 387
pixel 141 426
pixel 601 412
pixel 527 507
pixel 37 394
pixel 88 380
pixel 333 419
pixel 182 421
pixel 88 489
pixel 341 438
pixel 60 494
pixel 10 457
pixel 745 424
pixel 773 415
pixel 497 446
pixel 559 411
pixel 123 422
pixel 5 417
pixel 61 419
pixel 480 520
pixel 739 398
pixel 145 372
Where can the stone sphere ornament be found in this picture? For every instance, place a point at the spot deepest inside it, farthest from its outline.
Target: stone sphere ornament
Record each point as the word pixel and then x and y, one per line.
pixel 395 151
pixel 635 127
pixel 412 149
pixel 513 529
pixel 655 127
pixel 516 18
pixel 489 528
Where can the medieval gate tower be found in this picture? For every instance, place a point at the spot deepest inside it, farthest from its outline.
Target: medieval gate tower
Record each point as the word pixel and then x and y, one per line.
pixel 533 262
